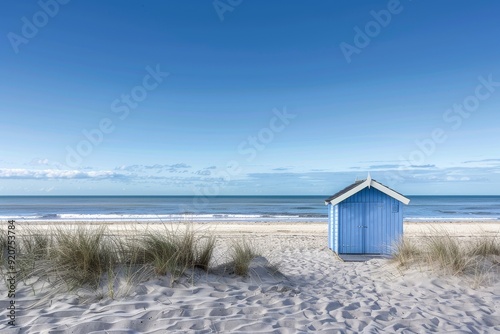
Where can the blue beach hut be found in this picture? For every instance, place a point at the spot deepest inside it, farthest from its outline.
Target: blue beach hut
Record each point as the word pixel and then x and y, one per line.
pixel 365 218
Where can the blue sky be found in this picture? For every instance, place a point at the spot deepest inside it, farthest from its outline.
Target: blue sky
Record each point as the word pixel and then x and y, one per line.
pixel 248 97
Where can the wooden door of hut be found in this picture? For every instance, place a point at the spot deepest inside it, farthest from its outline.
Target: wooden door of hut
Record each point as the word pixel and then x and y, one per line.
pixel 359 231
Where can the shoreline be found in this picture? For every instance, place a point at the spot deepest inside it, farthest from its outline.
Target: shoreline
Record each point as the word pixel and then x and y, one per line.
pixel 232 219
pixel 320 229
pixel 246 221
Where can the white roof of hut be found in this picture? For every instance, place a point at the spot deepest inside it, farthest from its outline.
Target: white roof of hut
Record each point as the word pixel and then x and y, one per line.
pixel 360 185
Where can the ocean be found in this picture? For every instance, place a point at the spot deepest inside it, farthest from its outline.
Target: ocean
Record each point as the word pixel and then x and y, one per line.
pixel 226 208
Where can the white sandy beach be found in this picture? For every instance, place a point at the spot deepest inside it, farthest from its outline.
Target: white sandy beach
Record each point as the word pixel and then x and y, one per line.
pixel 313 291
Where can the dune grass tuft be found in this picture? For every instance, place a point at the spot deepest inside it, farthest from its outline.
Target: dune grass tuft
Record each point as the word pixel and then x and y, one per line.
pixel 447 253
pixel 157 250
pixel 172 251
pixel 406 252
pixel 486 246
pixel 3 248
pixel 204 253
pixel 444 253
pixel 36 244
pixel 80 257
pixel 32 246
pixel 146 248
pixel 185 249
pixel 242 254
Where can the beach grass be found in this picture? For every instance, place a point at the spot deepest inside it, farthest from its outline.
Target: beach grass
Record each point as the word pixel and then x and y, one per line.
pixel 90 258
pixel 157 250
pixel 3 248
pixel 35 243
pixel 486 246
pixel 447 253
pixel 32 247
pixel 167 251
pixel 80 257
pixel 406 252
pixel 441 252
pixel 242 252
pixel 204 252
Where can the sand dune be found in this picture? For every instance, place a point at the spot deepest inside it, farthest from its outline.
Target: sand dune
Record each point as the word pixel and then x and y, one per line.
pixel 312 291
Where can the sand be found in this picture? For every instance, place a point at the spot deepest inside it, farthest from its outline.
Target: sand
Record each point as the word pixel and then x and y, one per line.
pixel 313 291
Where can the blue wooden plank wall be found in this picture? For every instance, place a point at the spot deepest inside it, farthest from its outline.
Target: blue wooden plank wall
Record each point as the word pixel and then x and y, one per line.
pixel 368 222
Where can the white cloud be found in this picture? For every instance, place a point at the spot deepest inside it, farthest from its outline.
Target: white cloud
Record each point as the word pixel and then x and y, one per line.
pixel 175 168
pixel 457 178
pixel 39 162
pixel 20 173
